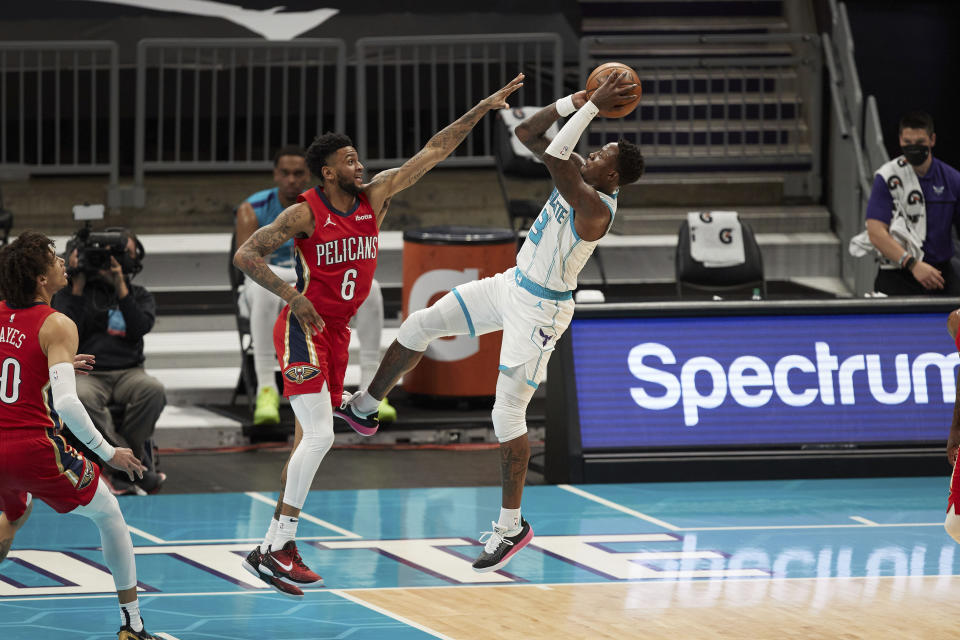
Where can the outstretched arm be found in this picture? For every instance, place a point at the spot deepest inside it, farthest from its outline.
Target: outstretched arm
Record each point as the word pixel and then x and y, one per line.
pixel 387 183
pixel 532 132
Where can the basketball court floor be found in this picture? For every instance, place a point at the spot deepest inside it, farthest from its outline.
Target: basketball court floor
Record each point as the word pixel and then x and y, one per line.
pixel 838 558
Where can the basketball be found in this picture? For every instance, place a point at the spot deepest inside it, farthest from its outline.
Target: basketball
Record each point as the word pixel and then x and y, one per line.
pixel 598 75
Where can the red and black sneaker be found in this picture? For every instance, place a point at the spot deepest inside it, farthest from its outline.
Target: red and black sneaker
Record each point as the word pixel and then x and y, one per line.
pixel 252 564
pixel 287 565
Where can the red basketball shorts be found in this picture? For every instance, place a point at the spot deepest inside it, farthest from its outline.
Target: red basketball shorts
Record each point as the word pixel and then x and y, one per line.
pixel 308 362
pixel 35 460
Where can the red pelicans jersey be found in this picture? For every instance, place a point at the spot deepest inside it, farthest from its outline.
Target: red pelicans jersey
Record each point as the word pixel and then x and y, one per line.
pixel 25 396
pixel 335 265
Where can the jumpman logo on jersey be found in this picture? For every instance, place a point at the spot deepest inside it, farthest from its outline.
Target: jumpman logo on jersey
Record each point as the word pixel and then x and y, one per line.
pixel 329 222
pixel 539 304
pixel 11 316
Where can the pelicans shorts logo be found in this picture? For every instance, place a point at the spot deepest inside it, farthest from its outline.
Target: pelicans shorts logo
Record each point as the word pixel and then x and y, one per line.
pixel 87 476
pixel 301 373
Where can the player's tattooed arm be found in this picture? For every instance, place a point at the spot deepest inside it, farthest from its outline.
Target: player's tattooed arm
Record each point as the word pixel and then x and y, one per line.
pixel 438 147
pixel 532 132
pixel 294 222
pixel 378 184
pixel 250 258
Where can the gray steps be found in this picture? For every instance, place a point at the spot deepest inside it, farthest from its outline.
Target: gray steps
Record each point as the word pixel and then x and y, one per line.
pixel 695 189
pixel 631 52
pixel 773 219
pixel 650 258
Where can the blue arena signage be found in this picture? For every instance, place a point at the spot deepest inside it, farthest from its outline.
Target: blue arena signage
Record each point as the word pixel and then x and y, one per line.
pixel 652 382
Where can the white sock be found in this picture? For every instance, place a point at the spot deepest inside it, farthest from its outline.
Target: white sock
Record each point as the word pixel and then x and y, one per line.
pixel 286 531
pixel 271 534
pixel 509 519
pixel 365 404
pixel 130 614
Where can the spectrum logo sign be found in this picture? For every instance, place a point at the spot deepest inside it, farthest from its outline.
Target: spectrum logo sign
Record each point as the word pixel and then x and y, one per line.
pixel 751 382
pixel 763 379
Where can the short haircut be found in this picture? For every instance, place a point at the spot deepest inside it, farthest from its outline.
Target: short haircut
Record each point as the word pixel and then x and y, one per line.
pixel 21 263
pixel 289 150
pixel 630 163
pixel 322 148
pixel 916 120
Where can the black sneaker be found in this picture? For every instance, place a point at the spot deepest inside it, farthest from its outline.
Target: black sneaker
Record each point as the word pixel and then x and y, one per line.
pixel 127 633
pixel 500 548
pixel 364 425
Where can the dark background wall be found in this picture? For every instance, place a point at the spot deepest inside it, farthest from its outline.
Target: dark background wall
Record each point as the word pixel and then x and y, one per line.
pixel 908 56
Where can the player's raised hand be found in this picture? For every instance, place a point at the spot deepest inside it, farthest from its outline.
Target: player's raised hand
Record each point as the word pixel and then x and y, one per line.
pixel 83 362
pixel 613 92
pixel 498 100
pixel 124 460
pixel 310 321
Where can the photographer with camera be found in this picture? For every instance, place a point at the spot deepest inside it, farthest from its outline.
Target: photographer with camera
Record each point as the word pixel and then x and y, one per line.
pixel 112 316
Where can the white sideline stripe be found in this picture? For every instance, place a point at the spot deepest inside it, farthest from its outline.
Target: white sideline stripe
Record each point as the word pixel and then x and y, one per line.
pixel 148 536
pixel 618 507
pixel 667 582
pixel 166 636
pixel 865 521
pixel 389 614
pixel 239 540
pixel 813 526
pixel 306 516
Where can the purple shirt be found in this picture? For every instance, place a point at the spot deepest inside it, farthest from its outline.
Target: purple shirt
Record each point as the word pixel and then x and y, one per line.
pixel 941 194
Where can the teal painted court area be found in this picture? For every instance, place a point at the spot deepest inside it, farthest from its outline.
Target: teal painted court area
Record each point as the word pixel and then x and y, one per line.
pixel 189 549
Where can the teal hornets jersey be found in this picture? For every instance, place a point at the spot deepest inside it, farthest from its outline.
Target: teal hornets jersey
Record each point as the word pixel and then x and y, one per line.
pixel 553 254
pixel 266 204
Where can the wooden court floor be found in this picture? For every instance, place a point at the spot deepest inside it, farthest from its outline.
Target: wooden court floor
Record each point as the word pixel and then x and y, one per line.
pixel 858 558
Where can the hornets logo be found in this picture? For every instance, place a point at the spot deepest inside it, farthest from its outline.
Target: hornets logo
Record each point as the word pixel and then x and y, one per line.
pixel 894 183
pixel 915 197
pixel 543 336
pixel 300 373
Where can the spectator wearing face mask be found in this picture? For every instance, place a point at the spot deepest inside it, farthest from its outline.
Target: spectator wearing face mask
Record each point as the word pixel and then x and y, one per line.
pixel 913 204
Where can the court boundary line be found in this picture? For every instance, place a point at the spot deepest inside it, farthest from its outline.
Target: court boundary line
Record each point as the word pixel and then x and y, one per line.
pixel 865 521
pixel 618 507
pixel 512 585
pixel 305 516
pixel 148 536
pixel 389 614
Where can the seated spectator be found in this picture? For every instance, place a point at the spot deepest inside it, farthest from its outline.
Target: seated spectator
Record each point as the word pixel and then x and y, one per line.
pixel 112 316
pixel 914 202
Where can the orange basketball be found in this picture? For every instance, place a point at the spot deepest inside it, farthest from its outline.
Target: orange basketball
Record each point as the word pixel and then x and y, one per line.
pixel 598 75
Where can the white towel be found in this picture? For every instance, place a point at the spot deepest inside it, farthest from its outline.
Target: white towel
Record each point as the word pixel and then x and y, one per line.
pixel 716 238
pixel 909 223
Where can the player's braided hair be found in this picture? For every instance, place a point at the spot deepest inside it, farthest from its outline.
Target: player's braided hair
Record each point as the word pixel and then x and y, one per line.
pixel 322 148
pixel 21 263
pixel 630 162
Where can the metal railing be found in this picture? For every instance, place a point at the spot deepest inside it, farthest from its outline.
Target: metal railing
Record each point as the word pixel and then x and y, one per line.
pixel 856 149
pixel 59 108
pixel 408 88
pixel 228 104
pixel 717 100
